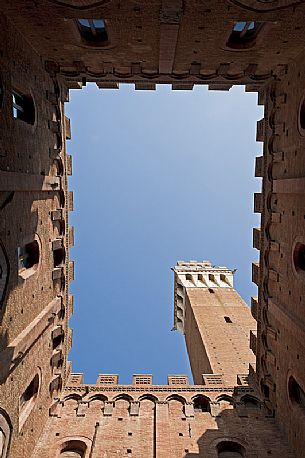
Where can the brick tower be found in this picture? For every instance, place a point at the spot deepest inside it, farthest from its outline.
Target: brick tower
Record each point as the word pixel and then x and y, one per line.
pixel 215 320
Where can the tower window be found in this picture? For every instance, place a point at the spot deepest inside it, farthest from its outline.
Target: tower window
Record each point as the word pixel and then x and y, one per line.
pixel 230 449
pixel 23 107
pixel 27 400
pixel 93 31
pixel 73 449
pixel 296 393
pixel 28 256
pixel 227 319
pixel 299 257
pixel 201 404
pixel 59 257
pixel 244 34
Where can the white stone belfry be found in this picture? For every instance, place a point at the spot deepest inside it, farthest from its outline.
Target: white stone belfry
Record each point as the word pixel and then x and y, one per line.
pixel 194 274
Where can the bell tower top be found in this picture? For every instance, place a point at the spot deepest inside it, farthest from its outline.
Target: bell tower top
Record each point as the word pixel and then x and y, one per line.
pixel 195 274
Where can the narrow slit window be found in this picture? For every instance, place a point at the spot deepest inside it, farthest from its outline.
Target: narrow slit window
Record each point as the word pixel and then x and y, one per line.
pixel 23 107
pixel 227 319
pixel 244 34
pixel 93 31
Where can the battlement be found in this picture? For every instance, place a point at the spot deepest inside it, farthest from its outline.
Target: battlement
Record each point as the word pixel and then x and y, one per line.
pixel 145 382
pixel 137 379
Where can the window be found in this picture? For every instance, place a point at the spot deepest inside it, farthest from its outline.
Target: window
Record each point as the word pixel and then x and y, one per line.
pixel 299 257
pixel 201 404
pixel 59 257
pixel 244 34
pixel 230 449
pixel 5 433
pixel 73 449
pixel 296 393
pixel 23 107
pixel 93 31
pixel 28 257
pixel 4 273
pixel 1 100
pixel 27 400
pixel 227 319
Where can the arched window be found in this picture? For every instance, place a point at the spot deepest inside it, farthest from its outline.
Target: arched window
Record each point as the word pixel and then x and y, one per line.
pixel 230 449
pixel 59 256
pixel 5 434
pixel 93 31
pixel 28 256
pixel 28 399
pixel 201 404
pixel 23 107
pixel 73 449
pixel 244 34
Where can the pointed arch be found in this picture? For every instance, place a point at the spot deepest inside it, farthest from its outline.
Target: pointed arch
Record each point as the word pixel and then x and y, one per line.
pixel 148 396
pixel 201 403
pixel 176 397
pixel 73 396
pixel 98 397
pixel 225 397
pixel 124 397
pixel 250 401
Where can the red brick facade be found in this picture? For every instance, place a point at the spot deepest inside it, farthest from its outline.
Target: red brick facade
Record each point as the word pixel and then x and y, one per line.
pixel 44 51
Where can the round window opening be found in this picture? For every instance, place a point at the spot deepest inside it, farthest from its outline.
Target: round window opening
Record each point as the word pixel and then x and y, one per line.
pixel 302 117
pixel 299 257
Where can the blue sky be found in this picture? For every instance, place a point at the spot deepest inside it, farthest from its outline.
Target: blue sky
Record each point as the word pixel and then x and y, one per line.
pixel 158 176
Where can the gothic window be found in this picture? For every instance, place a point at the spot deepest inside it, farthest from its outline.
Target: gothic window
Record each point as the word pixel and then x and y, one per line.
pixel 28 399
pixel 73 449
pixel 230 449
pixel 28 258
pixel 244 34
pixel 23 107
pixel 93 31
